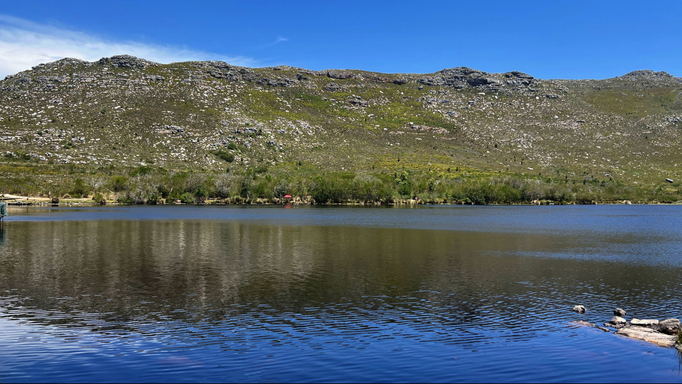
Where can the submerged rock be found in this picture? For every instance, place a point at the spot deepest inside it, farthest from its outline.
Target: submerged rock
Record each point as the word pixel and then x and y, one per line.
pixel 648 335
pixel 579 308
pixel 585 323
pixel 588 324
pixel 670 326
pixel 648 323
pixel 619 312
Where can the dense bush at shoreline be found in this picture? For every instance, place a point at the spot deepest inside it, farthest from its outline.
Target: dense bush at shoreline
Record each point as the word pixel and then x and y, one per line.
pixel 149 185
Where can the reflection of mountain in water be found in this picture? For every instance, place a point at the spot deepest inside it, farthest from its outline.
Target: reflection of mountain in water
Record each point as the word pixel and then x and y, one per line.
pixel 436 285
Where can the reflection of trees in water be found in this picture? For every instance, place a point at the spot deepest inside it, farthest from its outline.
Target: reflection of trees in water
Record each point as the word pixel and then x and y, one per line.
pixel 175 264
pixel 316 279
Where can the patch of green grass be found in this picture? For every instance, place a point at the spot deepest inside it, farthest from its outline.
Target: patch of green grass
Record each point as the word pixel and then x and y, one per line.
pixel 636 104
pixel 224 155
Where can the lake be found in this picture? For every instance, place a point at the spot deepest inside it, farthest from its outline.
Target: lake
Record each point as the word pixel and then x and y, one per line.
pixel 268 293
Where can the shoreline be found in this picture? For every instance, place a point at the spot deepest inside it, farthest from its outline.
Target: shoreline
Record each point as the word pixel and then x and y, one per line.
pixel 41 201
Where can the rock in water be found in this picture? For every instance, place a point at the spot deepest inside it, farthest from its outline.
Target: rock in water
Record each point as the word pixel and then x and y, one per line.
pixel 579 308
pixel 617 322
pixel 648 335
pixel 648 323
pixel 619 312
pixel 670 326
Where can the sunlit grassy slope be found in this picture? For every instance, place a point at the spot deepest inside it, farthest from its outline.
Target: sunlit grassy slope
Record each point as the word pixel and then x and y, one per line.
pixel 71 120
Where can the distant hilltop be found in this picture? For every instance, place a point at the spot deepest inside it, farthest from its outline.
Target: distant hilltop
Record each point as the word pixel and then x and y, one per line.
pixel 647 74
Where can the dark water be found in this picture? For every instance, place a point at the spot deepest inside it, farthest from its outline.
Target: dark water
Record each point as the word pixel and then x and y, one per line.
pixel 335 294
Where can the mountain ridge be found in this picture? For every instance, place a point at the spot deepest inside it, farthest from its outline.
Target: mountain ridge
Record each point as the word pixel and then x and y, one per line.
pixel 129 61
pixel 122 112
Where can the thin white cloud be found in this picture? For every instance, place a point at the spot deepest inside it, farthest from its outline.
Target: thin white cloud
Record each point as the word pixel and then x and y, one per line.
pixel 25 44
pixel 278 40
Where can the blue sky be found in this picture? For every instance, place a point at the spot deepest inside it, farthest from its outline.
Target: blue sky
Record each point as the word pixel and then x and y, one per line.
pixel 547 39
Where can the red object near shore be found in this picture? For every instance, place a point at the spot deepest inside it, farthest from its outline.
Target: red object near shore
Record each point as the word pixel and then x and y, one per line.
pixel 287 196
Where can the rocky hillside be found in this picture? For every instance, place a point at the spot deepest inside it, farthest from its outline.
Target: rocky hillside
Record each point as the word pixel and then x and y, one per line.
pixel 123 113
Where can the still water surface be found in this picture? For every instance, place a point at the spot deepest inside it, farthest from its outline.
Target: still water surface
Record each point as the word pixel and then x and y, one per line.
pixel 335 294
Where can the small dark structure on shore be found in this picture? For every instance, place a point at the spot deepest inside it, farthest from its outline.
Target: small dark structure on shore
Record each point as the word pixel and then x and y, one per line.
pixel 3 211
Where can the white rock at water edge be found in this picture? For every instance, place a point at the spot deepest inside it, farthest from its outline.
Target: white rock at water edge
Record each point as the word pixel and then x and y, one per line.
pixel 618 321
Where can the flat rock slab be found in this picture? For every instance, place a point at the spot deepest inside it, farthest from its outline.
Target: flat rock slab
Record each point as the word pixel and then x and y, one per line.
pixel 651 323
pixel 648 335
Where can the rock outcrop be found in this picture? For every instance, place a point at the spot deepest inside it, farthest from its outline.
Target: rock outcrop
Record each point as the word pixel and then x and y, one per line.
pixel 617 322
pixel 647 74
pixel 463 77
pixel 648 335
pixel 579 309
pixel 665 333
pixel 670 326
pixel 126 61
